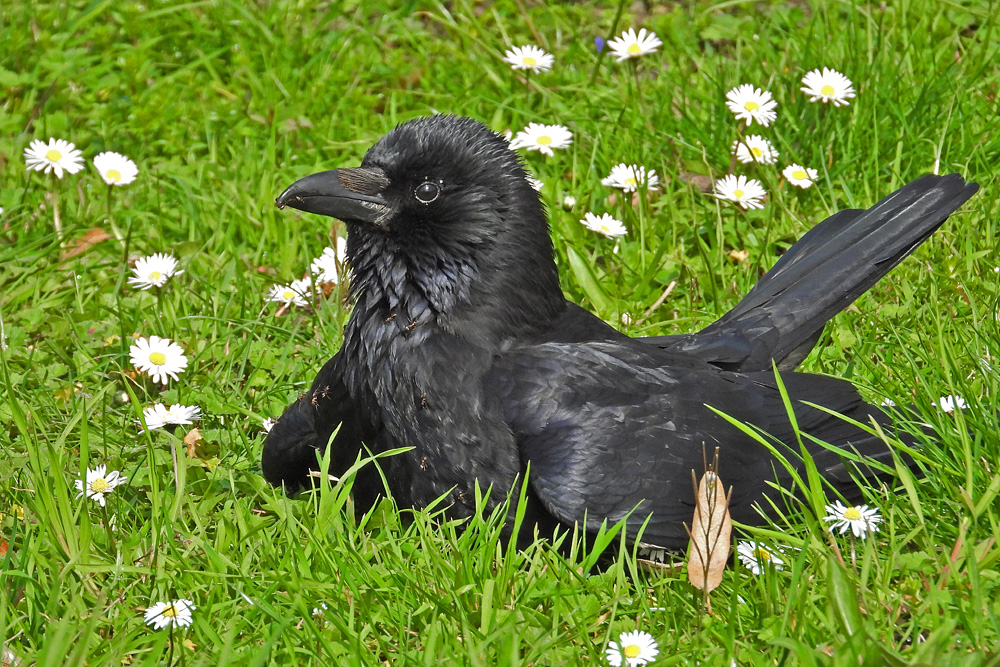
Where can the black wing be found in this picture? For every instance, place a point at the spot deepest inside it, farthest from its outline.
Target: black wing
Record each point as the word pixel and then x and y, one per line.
pixel 610 427
pixel 306 427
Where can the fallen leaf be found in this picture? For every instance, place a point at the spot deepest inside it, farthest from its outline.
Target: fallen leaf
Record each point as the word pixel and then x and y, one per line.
pixel 91 237
pixel 699 181
pixel 198 448
pixel 191 439
pixel 710 533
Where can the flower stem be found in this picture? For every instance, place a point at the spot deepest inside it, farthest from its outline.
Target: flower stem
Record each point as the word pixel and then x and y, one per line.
pixel 56 216
pixel 111 217
pixel 732 159
pixel 638 89
pixel 641 192
pixel 107 527
pixel 614 29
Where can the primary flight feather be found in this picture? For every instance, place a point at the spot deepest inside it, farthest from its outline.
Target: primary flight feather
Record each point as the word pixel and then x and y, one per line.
pixel 462 347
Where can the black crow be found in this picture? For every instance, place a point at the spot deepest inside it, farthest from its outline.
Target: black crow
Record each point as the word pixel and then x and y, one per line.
pixel 462 348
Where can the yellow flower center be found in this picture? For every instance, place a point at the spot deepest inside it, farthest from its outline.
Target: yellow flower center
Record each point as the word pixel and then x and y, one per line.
pixel 757 152
pixel 799 175
pixel 529 61
pixel 738 194
pixel 154 276
pixel 763 555
pixel 631 182
pixel 751 106
pixel 634 49
pixel 852 514
pixel 100 485
pixel 827 90
pixel 631 651
pixel 53 155
pixel 169 612
pixel 113 175
pixel 158 358
pixel 543 140
pixel 288 295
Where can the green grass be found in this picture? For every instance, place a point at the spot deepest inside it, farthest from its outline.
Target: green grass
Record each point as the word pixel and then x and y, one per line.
pixel 223 103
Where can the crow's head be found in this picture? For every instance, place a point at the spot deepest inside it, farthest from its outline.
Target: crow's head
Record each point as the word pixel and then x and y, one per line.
pixel 441 210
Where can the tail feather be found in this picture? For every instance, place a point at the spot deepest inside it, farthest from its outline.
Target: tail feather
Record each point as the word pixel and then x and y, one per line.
pixel 840 259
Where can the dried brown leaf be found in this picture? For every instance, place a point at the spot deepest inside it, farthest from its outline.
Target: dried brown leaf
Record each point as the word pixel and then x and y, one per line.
pixel 81 245
pixel 198 448
pixel 710 533
pixel 191 439
pixel 698 181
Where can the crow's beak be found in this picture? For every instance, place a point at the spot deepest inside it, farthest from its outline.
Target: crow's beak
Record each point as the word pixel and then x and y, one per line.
pixel 351 195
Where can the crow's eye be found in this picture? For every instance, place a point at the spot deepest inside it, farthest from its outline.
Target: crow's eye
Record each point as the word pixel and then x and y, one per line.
pixel 427 192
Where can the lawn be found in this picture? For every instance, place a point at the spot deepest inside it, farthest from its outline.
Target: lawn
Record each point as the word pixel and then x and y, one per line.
pixel 223 103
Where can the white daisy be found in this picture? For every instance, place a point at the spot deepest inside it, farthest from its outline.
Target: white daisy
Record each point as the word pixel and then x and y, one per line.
pixel 827 86
pixel 268 423
pixel 747 192
pixel 568 202
pixel 629 177
pixel 529 58
pixel 752 104
pixel 888 403
pixel 166 614
pixel 951 403
pixel 294 294
pixel 803 177
pixel 153 270
pixel 755 148
pixel 158 357
pixel 756 558
pixel 542 138
pixel 55 156
pixel 632 45
pixel 604 224
pixel 115 168
pixel 160 415
pixel 326 268
pixel 632 648
pixel 860 519
pixel 99 483
pixel 155 417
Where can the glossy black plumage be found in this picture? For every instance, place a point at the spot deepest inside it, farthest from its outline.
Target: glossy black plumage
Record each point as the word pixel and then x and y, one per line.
pixel 462 347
